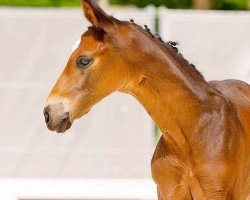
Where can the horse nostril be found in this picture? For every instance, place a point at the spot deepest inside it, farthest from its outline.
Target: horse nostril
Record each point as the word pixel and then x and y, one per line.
pixel 46 115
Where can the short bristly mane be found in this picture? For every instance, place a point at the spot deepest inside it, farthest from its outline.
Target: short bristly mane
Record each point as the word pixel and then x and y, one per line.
pixel 169 46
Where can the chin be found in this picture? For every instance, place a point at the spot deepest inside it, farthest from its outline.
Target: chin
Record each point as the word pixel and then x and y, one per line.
pixel 82 114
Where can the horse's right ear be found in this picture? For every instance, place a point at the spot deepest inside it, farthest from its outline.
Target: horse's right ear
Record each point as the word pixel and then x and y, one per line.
pixel 96 16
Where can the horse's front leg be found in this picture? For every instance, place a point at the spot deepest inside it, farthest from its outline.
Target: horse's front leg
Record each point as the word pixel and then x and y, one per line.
pixel 168 177
pixel 174 196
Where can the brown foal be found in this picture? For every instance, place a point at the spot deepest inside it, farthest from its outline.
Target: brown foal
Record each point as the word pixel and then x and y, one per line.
pixel 204 151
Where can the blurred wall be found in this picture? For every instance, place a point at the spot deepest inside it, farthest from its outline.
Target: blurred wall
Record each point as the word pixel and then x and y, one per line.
pixel 217 42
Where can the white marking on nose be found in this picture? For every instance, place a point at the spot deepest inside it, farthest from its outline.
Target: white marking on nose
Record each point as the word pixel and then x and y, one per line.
pixel 76 45
pixel 55 100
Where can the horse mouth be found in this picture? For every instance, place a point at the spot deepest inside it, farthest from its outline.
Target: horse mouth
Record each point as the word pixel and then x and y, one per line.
pixel 61 127
pixel 64 126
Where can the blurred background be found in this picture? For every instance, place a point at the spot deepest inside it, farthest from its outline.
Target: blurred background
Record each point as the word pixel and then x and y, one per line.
pixel 107 153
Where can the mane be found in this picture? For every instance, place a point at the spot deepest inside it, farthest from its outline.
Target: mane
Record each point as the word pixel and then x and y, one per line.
pixel 166 46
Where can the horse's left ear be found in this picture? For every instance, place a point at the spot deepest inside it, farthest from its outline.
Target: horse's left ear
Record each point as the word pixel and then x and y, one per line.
pixel 96 16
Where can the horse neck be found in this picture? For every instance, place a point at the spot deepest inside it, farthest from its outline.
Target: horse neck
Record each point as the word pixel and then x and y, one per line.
pixel 173 94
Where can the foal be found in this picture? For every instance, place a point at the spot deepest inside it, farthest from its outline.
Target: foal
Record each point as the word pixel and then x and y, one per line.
pixel 204 152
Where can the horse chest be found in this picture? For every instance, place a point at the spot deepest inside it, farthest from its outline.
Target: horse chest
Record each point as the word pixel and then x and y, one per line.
pixel 171 172
pixel 170 169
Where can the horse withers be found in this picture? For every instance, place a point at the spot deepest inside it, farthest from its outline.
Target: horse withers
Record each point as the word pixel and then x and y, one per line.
pixel 204 150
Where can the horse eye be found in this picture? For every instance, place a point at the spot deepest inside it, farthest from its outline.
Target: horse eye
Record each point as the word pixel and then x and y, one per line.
pixel 83 61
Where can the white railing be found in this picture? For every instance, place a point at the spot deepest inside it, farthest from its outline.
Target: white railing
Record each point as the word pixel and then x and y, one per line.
pixel 48 189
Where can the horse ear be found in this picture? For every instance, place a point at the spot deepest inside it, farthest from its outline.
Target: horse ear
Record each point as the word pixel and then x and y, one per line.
pixel 96 16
